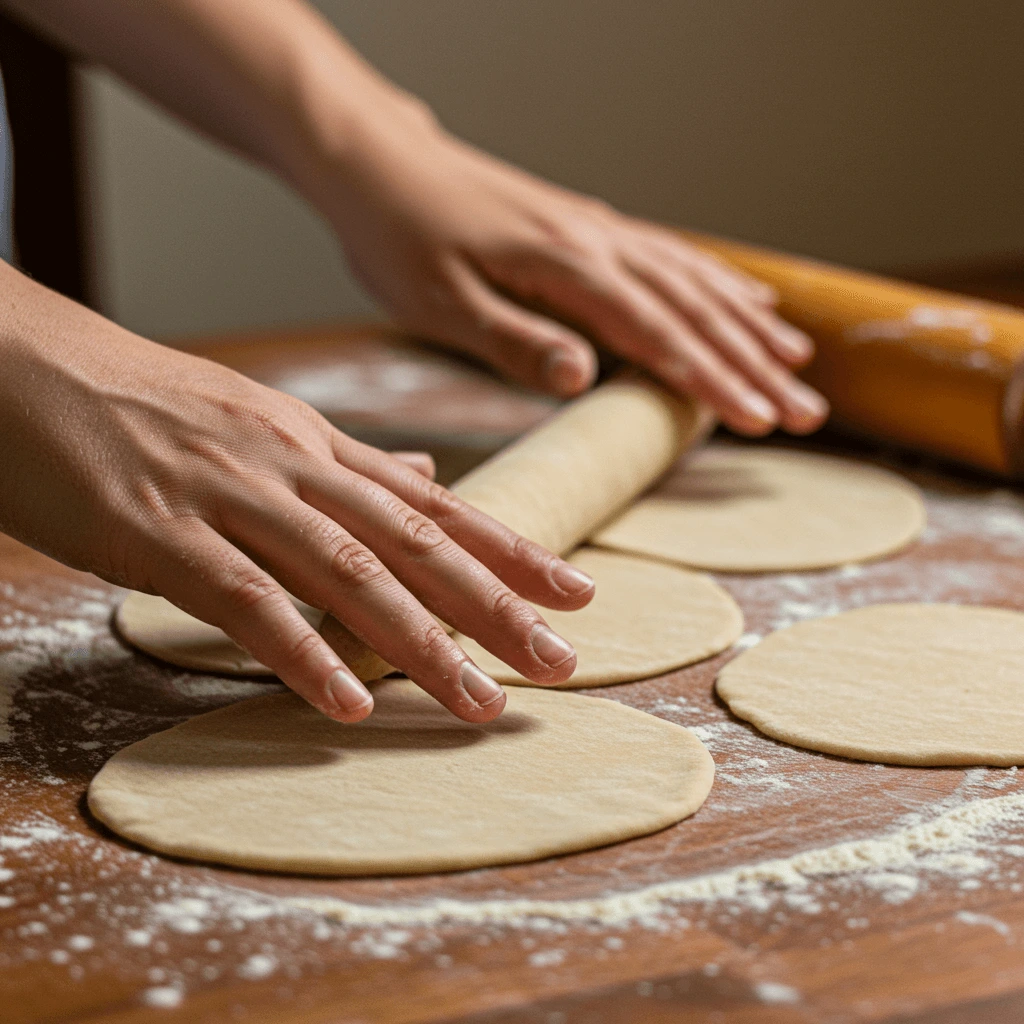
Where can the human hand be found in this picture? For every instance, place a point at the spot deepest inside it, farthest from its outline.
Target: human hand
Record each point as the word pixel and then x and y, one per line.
pixel 169 474
pixel 470 251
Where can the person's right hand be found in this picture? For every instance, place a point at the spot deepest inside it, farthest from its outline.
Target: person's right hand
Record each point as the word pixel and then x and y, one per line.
pixel 169 474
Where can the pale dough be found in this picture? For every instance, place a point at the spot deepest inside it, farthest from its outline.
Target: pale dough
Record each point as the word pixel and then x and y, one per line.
pixel 923 684
pixel 558 483
pixel 646 618
pixel 754 509
pixel 272 783
pixel 161 629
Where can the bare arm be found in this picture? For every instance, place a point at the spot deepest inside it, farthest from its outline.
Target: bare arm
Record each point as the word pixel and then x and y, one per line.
pixel 272 80
pixel 457 245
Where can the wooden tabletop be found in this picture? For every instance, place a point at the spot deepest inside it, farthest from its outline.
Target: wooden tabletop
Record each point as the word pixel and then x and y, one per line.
pixel 752 910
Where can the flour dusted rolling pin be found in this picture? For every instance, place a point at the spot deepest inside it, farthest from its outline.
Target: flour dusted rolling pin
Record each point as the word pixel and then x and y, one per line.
pixel 932 370
pixel 558 483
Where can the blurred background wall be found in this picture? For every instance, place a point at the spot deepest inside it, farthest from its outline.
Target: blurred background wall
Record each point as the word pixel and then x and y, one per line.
pixel 879 133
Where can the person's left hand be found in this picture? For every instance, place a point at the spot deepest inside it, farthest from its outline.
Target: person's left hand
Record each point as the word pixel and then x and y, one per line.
pixel 469 251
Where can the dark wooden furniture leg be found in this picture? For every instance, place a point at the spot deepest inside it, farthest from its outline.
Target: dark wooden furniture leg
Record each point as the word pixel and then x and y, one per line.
pixel 49 222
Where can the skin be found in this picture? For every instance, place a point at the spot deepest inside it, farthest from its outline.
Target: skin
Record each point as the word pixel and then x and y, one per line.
pixel 165 473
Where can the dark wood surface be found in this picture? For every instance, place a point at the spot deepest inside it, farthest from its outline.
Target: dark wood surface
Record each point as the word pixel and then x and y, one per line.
pixel 92 929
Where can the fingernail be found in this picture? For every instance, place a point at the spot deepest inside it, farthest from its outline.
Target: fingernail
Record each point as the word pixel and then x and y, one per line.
pixel 479 685
pixel 347 692
pixel 562 371
pixel 549 646
pixel 759 406
pixel 570 579
pixel 809 401
pixel 798 343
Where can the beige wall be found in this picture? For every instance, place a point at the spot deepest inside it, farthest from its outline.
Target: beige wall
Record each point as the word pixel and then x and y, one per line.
pixel 877 132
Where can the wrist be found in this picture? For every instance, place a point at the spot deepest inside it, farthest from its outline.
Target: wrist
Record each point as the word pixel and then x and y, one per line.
pixel 350 137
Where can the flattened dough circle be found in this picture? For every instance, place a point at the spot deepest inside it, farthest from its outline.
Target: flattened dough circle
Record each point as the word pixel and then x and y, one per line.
pixel 753 509
pixel 646 618
pixel 923 684
pixel 271 783
pixel 154 625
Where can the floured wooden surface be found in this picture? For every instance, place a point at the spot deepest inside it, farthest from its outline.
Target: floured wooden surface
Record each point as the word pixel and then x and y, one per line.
pixel 807 888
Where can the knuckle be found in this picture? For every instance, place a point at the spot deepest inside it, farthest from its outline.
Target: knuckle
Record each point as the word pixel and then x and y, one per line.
pixel 435 642
pixel 303 646
pixel 521 550
pixel 249 592
pixel 441 505
pixel 703 317
pixel 502 603
pixel 353 564
pixel 418 535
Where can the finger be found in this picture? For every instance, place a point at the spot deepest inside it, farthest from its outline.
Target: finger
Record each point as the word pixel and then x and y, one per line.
pixel 529 569
pixel 754 308
pixel 322 564
pixel 801 408
pixel 438 572
pixel 744 286
pixel 638 324
pixel 329 565
pixel 788 343
pixel 677 249
pixel 211 579
pixel 523 345
pixel 422 462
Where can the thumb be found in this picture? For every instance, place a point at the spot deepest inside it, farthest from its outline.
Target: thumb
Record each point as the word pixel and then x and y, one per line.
pixel 524 346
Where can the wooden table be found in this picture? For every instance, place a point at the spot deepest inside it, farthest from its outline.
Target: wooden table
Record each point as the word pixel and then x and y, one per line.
pixel 92 929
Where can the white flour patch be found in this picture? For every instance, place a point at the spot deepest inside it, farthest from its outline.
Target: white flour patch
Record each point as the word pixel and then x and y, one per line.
pixel 773 993
pixel 201 687
pixel 985 921
pixel 258 966
pixel 165 997
pixel 919 321
pixel 936 846
pixel 29 645
pixel 546 958
pixel 894 886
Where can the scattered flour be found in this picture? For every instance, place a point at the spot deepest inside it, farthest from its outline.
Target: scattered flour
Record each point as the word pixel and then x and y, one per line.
pixel 27 645
pixel 772 992
pixel 921 319
pixel 546 958
pixel 986 921
pixel 258 966
pixel 947 843
pixel 165 997
pixel 147 907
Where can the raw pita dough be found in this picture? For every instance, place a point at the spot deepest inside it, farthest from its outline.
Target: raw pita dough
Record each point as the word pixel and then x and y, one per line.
pixel 161 629
pixel 753 509
pixel 646 618
pixel 559 482
pixel 271 783
pixel 924 684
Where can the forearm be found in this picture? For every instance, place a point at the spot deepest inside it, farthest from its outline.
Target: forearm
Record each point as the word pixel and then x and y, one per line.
pixel 272 80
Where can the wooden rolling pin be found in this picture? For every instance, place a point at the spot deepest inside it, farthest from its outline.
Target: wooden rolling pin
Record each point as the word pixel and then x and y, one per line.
pixel 558 483
pixel 928 369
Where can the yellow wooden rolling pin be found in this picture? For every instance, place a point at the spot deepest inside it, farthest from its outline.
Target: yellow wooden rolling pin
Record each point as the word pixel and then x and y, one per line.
pixel 924 368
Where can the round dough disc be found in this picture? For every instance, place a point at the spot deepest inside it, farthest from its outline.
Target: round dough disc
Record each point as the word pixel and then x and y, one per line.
pixel 924 684
pixel 271 783
pixel 752 509
pixel 646 618
pixel 154 625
